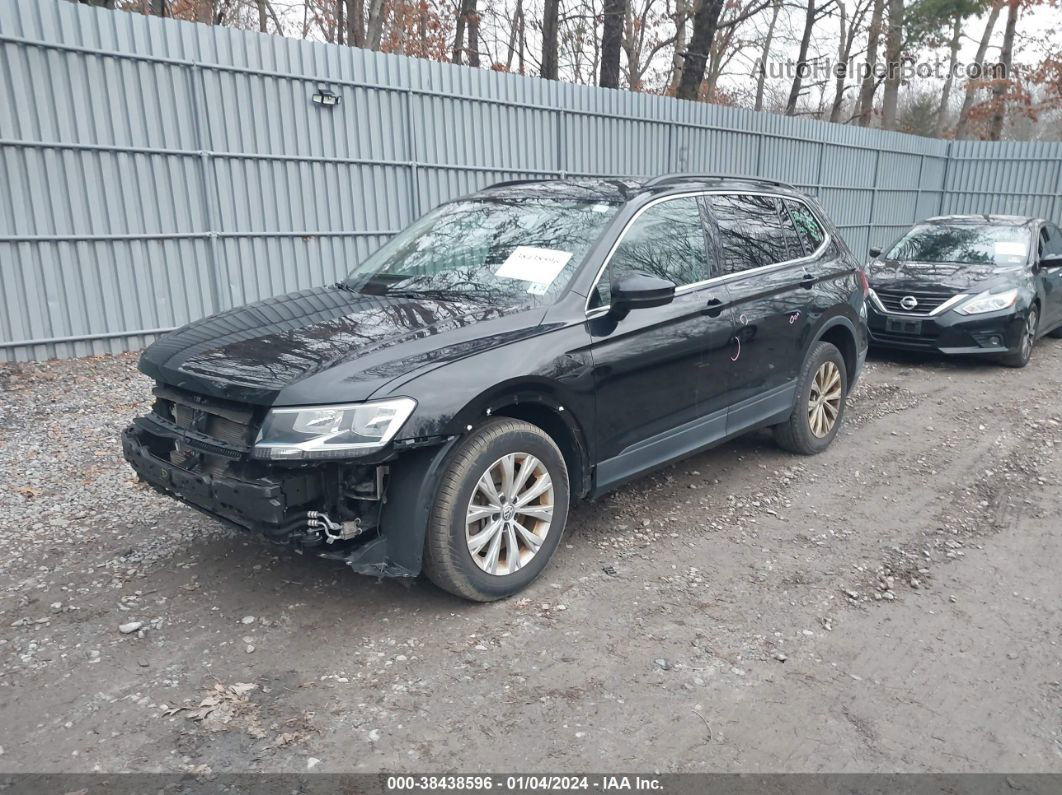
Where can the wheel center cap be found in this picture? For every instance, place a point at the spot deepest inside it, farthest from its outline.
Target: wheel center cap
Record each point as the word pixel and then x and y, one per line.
pixel 508 512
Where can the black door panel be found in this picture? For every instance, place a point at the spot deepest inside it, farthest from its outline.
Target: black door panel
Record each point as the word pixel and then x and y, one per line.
pixel 655 369
pixel 662 368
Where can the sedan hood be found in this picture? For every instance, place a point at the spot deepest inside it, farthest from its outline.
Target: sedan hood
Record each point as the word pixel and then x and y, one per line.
pixel 950 277
pixel 327 345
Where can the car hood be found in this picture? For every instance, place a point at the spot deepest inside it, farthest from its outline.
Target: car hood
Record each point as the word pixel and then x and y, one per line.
pixel 950 277
pixel 327 345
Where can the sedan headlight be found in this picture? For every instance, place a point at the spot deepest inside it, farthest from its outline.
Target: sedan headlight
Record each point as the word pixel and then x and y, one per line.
pixel 988 302
pixel 331 431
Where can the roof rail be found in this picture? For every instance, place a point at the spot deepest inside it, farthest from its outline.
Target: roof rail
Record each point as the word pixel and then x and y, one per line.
pixel 665 179
pixel 507 182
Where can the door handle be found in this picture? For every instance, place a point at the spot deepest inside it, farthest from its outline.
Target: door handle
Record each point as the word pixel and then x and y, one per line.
pixel 714 307
pixel 807 281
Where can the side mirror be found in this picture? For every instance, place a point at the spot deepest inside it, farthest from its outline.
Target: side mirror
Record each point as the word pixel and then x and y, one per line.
pixel 874 252
pixel 1051 261
pixel 641 291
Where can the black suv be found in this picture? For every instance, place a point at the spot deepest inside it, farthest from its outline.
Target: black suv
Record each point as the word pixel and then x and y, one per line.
pixel 989 285
pixel 512 350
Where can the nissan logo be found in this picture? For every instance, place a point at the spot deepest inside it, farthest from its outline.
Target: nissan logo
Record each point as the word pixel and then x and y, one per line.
pixel 908 302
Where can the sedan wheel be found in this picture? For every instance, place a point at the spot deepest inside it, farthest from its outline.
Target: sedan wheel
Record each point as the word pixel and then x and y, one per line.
pixel 1021 356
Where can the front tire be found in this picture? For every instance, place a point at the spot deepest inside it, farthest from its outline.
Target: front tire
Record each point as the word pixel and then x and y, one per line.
pixel 499 512
pixel 822 394
pixel 1021 356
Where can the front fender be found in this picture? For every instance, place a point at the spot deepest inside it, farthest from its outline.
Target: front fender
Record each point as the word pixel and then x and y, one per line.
pixel 398 551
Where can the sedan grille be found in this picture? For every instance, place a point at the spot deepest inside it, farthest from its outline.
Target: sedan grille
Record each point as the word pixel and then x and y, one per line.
pixel 900 300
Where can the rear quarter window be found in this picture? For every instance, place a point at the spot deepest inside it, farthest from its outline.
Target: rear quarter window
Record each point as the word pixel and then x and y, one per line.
pixel 807 225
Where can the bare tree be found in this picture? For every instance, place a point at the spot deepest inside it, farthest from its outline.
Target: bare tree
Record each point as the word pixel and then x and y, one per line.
pixel 812 14
pixel 641 40
pixel 681 16
pixel 611 42
pixel 848 32
pixel 705 25
pixel 893 64
pixel 466 21
pixel 761 76
pixel 870 83
pixel 1006 60
pixel 953 60
pixel 979 58
pixel 550 14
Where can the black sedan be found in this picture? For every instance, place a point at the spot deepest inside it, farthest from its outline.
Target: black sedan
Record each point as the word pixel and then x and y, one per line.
pixel 969 284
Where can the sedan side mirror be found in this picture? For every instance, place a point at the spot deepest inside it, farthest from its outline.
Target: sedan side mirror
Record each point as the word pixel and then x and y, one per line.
pixel 1051 261
pixel 874 252
pixel 641 291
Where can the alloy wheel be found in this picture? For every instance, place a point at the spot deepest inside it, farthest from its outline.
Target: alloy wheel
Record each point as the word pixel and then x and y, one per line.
pixel 509 513
pixel 824 402
pixel 1029 338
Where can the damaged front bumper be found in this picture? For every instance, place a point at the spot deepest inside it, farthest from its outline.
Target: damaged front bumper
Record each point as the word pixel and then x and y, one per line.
pixel 372 516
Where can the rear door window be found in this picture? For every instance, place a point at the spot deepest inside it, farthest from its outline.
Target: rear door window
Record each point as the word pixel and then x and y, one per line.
pixel 754 230
pixel 666 240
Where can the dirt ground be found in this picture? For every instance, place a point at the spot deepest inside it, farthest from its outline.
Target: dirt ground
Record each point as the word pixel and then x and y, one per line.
pixel 894 604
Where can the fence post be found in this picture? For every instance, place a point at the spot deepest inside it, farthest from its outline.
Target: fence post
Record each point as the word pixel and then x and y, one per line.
pixel 944 180
pixel 1056 201
pixel 209 186
pixel 411 155
pixel 918 191
pixel 873 194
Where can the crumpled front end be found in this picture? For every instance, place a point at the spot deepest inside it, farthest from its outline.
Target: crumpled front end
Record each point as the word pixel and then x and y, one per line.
pixel 197 449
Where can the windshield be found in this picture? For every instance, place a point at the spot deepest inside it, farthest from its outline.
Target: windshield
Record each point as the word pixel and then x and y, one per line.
pixel 973 244
pixel 500 251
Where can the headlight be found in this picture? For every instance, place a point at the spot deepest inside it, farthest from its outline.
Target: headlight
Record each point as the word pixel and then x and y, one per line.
pixel 988 302
pixel 331 431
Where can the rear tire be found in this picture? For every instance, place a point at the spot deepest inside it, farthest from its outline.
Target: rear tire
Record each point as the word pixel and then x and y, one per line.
pixel 822 394
pixel 1020 357
pixel 499 512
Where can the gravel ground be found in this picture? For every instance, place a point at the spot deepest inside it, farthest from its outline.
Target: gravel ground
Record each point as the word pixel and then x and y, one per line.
pixel 892 604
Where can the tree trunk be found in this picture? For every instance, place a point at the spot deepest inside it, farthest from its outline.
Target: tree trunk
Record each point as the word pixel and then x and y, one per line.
pixel 802 59
pixel 514 34
pixel 464 14
pixel 1006 59
pixel 893 64
pixel 844 49
pixel 375 24
pixel 611 40
pixel 680 46
pixel 341 20
pixel 705 24
pixel 550 14
pixel 356 23
pixel 473 36
pixel 866 91
pixel 761 78
pixel 982 51
pixel 945 94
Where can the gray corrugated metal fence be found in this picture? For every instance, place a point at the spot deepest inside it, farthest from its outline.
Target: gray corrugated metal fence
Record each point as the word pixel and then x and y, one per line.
pixel 154 171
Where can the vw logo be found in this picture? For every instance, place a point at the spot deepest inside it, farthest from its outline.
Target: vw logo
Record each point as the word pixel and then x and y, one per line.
pixel 908 302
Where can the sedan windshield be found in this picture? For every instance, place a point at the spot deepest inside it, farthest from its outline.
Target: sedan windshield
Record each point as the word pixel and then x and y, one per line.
pixel 967 244
pixel 500 251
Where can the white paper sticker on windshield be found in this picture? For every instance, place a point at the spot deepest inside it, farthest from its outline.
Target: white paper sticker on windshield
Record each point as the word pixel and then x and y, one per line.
pixel 1009 248
pixel 539 266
